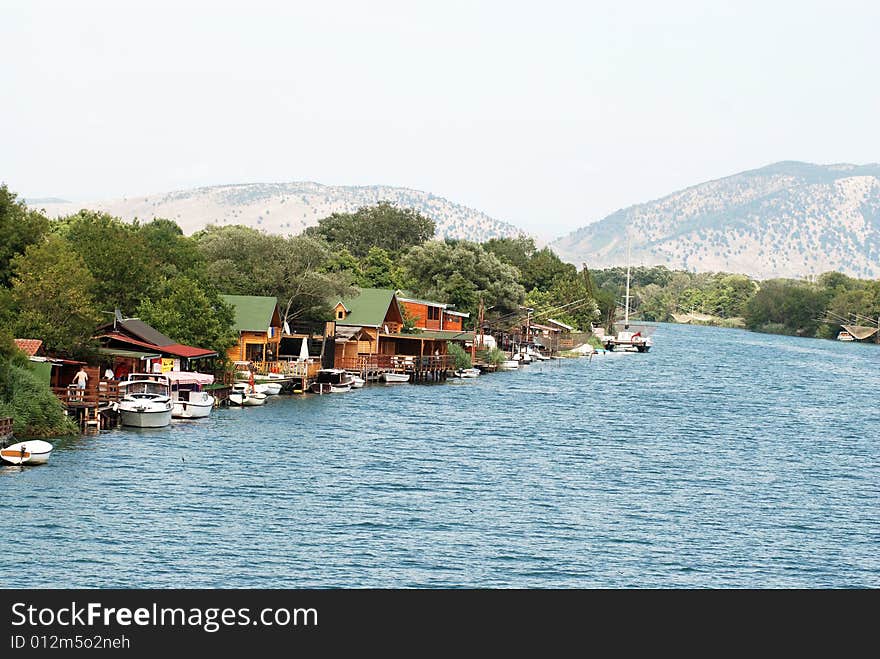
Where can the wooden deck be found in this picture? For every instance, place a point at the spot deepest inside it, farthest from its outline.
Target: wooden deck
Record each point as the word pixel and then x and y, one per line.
pixel 420 369
pixel 92 408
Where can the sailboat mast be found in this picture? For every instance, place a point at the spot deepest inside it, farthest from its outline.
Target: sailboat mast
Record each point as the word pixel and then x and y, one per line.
pixel 626 299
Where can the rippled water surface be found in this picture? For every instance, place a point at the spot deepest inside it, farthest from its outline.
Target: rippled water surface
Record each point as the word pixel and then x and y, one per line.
pixel 722 458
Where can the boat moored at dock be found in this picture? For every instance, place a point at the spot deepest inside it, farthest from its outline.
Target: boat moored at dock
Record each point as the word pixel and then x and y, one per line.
pixel 146 402
pixel 394 378
pixel 188 397
pixel 332 381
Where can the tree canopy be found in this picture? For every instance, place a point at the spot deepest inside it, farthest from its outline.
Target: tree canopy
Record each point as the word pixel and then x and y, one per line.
pixel 190 312
pixel 52 294
pixel 19 227
pixel 383 225
pixel 118 256
pixel 461 273
pixel 296 270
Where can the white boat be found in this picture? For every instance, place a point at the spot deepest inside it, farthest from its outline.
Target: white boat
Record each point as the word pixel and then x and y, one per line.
pixel 508 365
pixel 845 336
pixel 188 398
pixel 467 373
pixel 536 355
pixel 357 382
pixel 146 402
pixel 393 378
pixel 244 395
pixel 627 339
pixel 268 388
pixel 332 381
pixel 32 452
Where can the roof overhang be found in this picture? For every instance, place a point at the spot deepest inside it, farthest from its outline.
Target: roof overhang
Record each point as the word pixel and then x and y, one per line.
pixel 130 354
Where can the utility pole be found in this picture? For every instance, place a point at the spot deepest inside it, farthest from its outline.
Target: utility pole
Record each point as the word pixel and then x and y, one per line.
pixel 480 324
pixel 528 325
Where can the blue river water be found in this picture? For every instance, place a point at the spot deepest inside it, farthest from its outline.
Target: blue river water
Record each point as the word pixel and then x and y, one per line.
pixel 720 459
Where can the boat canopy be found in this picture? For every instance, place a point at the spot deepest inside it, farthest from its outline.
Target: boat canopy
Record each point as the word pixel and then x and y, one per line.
pixel 189 377
pixel 860 332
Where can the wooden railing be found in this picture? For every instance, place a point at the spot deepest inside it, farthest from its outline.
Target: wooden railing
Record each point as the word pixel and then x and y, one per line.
pixel 73 397
pixel 289 369
pixel 396 363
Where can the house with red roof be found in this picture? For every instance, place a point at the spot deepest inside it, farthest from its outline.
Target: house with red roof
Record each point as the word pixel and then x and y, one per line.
pixel 131 345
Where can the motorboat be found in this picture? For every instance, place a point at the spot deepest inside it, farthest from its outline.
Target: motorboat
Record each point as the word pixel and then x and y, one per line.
pixel 268 388
pixel 244 395
pixel 508 365
pixel 536 355
pixel 332 381
pixel 467 373
pixel 32 452
pixel 146 401
pixel 393 378
pixel 357 382
pixel 188 397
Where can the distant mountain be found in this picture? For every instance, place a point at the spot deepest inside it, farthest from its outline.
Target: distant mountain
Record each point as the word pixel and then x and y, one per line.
pixel 41 201
pixel 789 219
pixel 288 208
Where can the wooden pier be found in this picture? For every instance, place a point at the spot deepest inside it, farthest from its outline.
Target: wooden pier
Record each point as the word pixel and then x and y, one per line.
pixel 433 368
pixel 93 408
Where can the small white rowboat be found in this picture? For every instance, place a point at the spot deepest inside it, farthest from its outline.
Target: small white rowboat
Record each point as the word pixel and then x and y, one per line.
pixel 34 452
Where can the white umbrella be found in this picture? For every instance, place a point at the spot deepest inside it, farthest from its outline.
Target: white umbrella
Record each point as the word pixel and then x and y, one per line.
pixel 304 351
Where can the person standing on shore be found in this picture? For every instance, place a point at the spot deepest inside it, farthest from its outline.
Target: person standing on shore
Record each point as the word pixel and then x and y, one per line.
pixel 81 378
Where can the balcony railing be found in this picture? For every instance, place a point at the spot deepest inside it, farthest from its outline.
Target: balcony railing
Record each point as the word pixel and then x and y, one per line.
pixel 288 369
pixel 396 363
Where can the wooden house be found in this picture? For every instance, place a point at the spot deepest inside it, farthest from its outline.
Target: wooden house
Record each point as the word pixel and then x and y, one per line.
pixel 369 330
pixel 259 326
pixel 430 315
pixel 562 336
pixel 130 345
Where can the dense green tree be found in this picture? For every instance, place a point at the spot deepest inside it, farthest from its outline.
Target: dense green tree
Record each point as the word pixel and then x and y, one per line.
pixel 118 256
pixel 190 313
pixel 728 295
pixel 513 251
pixel 19 227
pixel 383 225
pixel 793 305
pixel 378 270
pixel 173 252
pixel 461 272
pixel 545 269
pixel 539 268
pixel 299 270
pixel 51 290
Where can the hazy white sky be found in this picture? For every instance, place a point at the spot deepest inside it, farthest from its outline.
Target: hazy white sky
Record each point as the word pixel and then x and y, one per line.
pixel 549 115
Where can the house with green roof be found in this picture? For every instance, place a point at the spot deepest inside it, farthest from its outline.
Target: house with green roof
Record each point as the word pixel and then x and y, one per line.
pixel 259 326
pixel 370 324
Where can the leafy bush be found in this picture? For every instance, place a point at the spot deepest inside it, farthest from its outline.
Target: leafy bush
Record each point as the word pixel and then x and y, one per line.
pixel 496 356
pixel 27 399
pixel 462 358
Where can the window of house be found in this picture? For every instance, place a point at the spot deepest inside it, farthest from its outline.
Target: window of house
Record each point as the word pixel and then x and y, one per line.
pixel 254 352
pixel 340 314
pixel 433 313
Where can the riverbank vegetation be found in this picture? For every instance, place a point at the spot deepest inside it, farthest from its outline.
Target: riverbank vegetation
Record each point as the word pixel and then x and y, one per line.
pixel 814 308
pixel 35 411
pixel 60 277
